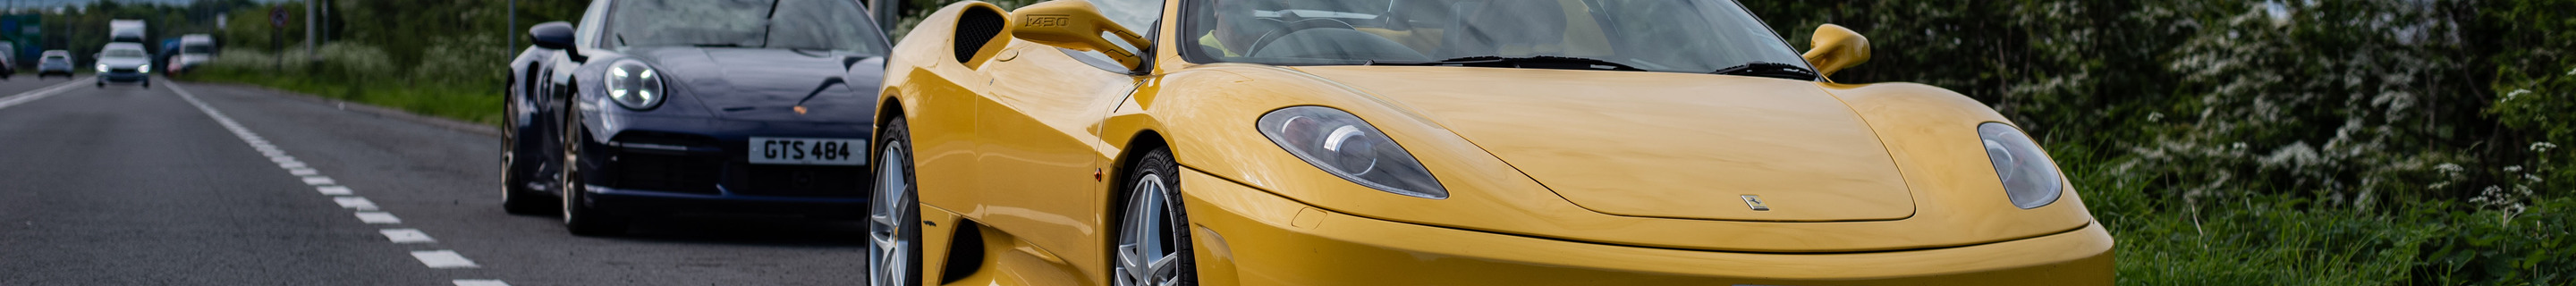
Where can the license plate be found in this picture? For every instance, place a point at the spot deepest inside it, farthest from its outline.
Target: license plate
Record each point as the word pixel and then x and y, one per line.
pixel 808 151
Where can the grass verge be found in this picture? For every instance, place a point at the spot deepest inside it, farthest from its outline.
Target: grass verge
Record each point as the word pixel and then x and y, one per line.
pixel 477 104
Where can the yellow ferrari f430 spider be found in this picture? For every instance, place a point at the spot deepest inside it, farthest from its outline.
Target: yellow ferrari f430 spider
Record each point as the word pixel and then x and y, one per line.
pixel 1442 142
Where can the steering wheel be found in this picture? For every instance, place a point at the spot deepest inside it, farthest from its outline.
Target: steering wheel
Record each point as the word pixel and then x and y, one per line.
pixel 1292 27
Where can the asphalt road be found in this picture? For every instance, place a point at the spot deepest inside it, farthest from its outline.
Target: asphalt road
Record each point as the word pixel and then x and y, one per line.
pixel 131 186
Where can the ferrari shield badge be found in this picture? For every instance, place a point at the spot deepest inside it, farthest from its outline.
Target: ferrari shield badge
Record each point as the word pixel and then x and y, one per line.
pixel 1755 202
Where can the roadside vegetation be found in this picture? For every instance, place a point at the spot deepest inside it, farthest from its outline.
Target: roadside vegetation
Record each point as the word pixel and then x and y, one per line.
pixel 2247 142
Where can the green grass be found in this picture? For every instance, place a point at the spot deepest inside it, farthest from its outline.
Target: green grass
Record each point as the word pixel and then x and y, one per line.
pixel 479 104
pixel 2289 240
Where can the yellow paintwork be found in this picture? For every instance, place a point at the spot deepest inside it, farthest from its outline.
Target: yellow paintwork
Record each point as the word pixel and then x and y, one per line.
pixel 1573 177
pixel 1837 48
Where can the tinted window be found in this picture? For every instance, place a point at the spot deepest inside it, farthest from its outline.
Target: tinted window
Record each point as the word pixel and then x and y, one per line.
pixel 781 24
pixel 1657 35
pixel 122 53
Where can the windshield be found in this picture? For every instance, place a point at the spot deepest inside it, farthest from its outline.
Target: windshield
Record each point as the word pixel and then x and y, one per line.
pixel 122 54
pixel 1697 36
pixel 196 49
pixel 836 25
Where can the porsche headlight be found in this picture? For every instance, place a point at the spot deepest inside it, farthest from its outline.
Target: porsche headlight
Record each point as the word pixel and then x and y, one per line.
pixel 144 68
pixel 634 85
pixel 2030 178
pixel 1342 144
pixel 102 67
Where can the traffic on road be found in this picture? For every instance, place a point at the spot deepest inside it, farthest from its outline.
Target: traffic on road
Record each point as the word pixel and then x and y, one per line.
pixel 1069 142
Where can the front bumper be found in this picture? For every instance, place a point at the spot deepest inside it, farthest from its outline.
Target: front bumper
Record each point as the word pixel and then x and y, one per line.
pixel 1247 236
pixel 667 165
pixel 652 203
pixel 124 76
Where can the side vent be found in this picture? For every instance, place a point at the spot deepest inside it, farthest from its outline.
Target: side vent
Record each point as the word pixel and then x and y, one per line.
pixel 980 32
pixel 965 253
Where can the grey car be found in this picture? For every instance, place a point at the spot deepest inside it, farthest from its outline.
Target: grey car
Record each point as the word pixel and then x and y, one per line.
pixel 55 62
pixel 123 63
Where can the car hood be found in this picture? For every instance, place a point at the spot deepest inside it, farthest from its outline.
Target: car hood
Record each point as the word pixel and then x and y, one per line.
pixel 1663 145
pixel 124 62
pixel 770 84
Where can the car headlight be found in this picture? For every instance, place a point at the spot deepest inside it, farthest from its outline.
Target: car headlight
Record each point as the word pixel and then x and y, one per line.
pixel 1342 144
pixel 144 68
pixel 2030 178
pixel 634 85
pixel 102 67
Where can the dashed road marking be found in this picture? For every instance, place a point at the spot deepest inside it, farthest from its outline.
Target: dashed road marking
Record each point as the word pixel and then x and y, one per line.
pixel 367 210
pixel 405 235
pixel 378 218
pixel 443 259
pixel 358 203
pixel 480 282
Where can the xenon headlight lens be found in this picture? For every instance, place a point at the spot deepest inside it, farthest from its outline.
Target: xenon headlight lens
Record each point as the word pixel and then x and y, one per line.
pixel 144 68
pixel 634 85
pixel 1342 144
pixel 2030 178
pixel 102 67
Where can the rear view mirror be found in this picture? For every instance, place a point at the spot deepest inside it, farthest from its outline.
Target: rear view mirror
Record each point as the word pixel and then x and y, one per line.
pixel 1836 48
pixel 1075 25
pixel 552 35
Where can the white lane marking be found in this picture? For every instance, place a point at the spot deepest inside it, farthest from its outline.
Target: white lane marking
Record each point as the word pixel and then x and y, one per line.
pixel 367 210
pixel 405 235
pixel 358 203
pixel 378 218
pixel 23 98
pixel 443 259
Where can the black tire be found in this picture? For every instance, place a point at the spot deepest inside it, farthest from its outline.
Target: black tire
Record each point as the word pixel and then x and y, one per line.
pixel 516 198
pixel 1158 163
pixel 578 215
pixel 892 150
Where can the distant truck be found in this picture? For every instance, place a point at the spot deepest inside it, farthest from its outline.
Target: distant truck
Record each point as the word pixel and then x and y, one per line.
pixel 125 31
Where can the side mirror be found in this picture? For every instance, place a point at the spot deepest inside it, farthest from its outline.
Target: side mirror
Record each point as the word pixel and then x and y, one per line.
pixel 552 35
pixel 1076 25
pixel 1837 48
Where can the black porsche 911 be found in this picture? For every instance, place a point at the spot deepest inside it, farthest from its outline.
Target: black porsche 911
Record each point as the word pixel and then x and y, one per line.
pixel 659 107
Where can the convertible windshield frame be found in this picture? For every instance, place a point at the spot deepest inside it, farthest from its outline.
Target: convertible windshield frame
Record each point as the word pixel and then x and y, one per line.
pixel 1755 38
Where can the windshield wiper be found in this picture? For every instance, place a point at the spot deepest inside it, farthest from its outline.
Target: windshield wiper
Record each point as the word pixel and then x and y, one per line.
pixel 1770 69
pixel 1543 62
pixel 718 45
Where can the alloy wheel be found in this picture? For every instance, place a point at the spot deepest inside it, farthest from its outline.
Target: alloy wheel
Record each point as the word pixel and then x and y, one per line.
pixel 1147 251
pixel 890 217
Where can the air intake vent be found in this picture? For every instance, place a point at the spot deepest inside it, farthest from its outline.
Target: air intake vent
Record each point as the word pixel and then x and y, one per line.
pixel 976 28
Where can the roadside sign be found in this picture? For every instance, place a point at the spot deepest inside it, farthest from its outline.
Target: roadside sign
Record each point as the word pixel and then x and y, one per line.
pixel 277 17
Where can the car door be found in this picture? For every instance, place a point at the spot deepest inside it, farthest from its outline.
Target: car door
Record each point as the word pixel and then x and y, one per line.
pixel 1038 149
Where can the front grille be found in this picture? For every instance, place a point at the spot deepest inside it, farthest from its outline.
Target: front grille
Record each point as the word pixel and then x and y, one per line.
pixel 659 168
pixel 121 70
pixel 786 180
pixel 664 172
